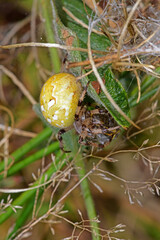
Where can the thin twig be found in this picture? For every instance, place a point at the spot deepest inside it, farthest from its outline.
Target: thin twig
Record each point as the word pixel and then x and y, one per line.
pixel 18 84
pixel 49 45
pixel 123 33
pixel 6 147
pixel 80 22
pixel 15 29
pixel 7 136
pixel 138 85
pixel 18 131
pixel 113 57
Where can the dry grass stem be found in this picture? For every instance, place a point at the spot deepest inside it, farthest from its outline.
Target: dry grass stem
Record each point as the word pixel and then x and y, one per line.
pixel 84 75
pixel 139 85
pixel 80 22
pixel 112 58
pixel 6 146
pixel 18 84
pixel 49 45
pixel 15 29
pixel 18 131
pixel 8 134
pixel 124 30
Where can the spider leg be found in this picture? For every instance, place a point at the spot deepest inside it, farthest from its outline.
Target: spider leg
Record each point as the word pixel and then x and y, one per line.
pixel 60 139
pixel 83 141
pixel 90 143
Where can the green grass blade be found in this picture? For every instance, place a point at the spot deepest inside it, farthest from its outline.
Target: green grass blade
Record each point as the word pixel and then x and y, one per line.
pixel 28 147
pixel 36 156
pixel 47 15
pixel 144 96
pixel 147 82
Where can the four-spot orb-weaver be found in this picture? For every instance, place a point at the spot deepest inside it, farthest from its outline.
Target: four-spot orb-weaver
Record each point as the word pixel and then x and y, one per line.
pixel 61 102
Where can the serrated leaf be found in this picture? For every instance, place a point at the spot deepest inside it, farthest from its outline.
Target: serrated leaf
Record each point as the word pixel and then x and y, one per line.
pixel 117 92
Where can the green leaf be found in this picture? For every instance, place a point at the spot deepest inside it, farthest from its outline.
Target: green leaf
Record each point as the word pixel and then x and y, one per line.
pixel 119 95
pixel 76 7
pixel 70 139
pixel 67 37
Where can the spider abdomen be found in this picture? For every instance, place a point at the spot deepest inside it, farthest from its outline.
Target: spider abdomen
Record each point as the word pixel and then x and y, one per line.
pixel 59 99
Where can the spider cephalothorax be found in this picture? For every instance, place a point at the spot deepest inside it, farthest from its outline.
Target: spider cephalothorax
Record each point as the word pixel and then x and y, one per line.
pixel 95 127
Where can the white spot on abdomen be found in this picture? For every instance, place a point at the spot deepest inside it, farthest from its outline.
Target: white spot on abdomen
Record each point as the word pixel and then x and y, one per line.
pixel 51 103
pixel 55 117
pixel 42 108
pixel 49 120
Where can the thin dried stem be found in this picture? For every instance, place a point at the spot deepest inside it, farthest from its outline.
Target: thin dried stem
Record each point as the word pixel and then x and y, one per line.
pixel 112 57
pixel 15 29
pixel 80 22
pixel 18 84
pixel 7 136
pixel 84 75
pixel 49 45
pixel 6 147
pixel 18 131
pixel 123 33
pixel 139 85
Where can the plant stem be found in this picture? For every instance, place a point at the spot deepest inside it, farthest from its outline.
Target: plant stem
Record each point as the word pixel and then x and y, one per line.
pixel 47 14
pixel 89 203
